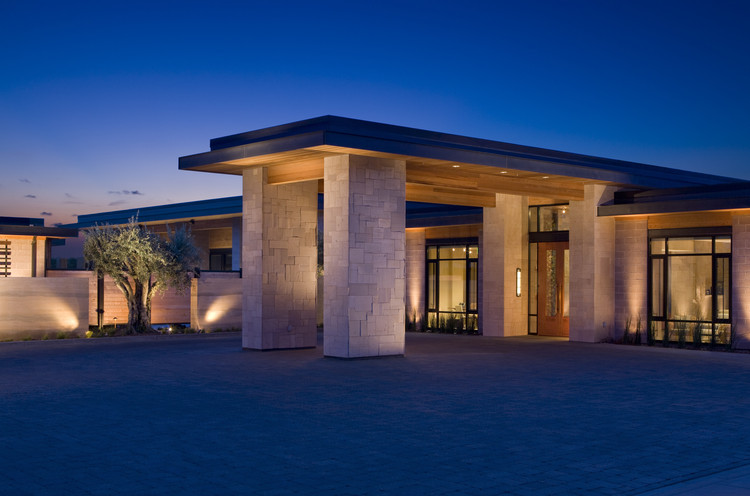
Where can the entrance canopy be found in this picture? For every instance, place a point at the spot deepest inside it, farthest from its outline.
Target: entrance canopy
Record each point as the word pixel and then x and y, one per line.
pixel 442 168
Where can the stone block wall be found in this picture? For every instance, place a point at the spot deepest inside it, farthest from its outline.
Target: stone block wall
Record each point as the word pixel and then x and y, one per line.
pixel 172 307
pixel 592 267
pixel 631 275
pixel 34 307
pixel 364 256
pixel 279 259
pixel 22 250
pixel 504 249
pixel 415 274
pixel 216 301
pixel 741 279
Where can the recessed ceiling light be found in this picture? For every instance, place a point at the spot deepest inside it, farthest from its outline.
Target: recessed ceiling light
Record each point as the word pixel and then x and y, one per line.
pixel 503 172
pixel 545 177
pixel 456 166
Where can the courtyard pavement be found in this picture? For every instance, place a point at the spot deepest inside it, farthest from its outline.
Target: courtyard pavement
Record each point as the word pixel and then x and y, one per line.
pixel 457 415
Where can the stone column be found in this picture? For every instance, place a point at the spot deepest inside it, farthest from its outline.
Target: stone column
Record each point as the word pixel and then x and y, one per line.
pixel 631 275
pixel 592 267
pixel 364 241
pixel 741 280
pixel 278 263
pixel 415 275
pixel 504 249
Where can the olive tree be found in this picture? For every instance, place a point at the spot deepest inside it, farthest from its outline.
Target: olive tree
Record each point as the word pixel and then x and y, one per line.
pixel 141 263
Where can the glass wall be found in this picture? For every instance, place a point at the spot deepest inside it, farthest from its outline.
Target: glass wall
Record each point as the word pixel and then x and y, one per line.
pixel 549 218
pixel 689 287
pixel 452 287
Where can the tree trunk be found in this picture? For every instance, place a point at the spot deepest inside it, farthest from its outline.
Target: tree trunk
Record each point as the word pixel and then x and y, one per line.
pixel 139 310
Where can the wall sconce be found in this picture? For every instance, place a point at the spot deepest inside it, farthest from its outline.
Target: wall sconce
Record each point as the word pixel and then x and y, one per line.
pixel 518 282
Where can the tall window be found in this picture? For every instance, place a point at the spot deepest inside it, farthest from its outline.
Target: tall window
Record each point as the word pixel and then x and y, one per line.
pixel 452 287
pixel 689 288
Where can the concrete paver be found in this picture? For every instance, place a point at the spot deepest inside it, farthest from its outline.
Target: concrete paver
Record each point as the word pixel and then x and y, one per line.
pixel 456 415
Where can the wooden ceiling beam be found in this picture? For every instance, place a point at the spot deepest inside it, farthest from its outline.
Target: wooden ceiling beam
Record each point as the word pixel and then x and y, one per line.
pixel 449 196
pixel 292 172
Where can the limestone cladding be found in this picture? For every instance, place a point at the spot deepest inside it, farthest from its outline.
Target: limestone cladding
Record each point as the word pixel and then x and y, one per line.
pixel 216 301
pixel 35 307
pixel 364 256
pixel 741 280
pixel 170 307
pixel 279 257
pixel 22 255
pixel 592 267
pixel 504 249
pixel 415 274
pixel 631 275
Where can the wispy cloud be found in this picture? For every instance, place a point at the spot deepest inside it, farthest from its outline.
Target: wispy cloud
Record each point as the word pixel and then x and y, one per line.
pixel 57 224
pixel 68 195
pixel 30 196
pixel 25 181
pixel 47 214
pixel 125 192
pixel 118 202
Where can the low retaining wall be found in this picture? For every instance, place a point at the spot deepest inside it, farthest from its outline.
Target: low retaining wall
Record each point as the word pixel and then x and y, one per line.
pixel 216 301
pixel 35 307
pixel 170 307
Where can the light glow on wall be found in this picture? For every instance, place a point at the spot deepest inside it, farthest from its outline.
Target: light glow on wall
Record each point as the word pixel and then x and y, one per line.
pixel 219 308
pixel 65 317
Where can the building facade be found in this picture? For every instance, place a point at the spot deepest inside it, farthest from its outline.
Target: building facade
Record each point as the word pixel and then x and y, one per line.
pixel 544 242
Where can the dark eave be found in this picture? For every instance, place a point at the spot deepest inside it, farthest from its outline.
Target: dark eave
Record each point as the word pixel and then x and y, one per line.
pixel 49 232
pixel 347 133
pixel 203 208
pixel 694 199
pixel 435 215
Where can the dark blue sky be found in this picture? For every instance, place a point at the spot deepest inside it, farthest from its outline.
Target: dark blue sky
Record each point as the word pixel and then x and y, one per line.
pixel 98 101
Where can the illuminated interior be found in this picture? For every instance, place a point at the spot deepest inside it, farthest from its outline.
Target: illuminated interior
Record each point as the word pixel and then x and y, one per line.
pixel 452 287
pixel 689 288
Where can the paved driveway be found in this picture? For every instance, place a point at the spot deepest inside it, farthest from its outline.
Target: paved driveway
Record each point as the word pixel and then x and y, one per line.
pixel 457 415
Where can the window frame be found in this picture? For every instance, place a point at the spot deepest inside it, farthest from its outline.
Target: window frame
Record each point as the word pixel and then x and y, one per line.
pixel 469 318
pixel 663 319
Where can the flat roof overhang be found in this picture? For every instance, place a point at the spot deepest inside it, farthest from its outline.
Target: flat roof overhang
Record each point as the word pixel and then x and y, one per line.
pixel 212 209
pixel 48 232
pixel 733 196
pixel 440 167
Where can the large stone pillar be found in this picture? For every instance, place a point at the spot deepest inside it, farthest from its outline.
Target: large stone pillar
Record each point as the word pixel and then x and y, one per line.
pixel 631 275
pixel 741 280
pixel 505 249
pixel 364 241
pixel 415 276
pixel 592 267
pixel 278 262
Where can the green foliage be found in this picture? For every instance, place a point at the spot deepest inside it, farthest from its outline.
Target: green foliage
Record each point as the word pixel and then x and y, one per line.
pixel 141 263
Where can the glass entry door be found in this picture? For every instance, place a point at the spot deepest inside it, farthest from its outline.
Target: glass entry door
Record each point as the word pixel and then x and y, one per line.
pixel 554 284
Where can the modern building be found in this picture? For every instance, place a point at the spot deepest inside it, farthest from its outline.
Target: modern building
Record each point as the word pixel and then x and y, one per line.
pixel 540 242
pixel 31 304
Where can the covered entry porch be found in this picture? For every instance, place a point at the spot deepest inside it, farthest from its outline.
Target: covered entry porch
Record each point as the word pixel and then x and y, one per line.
pixel 366 172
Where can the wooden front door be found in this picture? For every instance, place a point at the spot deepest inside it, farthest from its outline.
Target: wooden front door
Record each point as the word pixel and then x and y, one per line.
pixel 553 282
